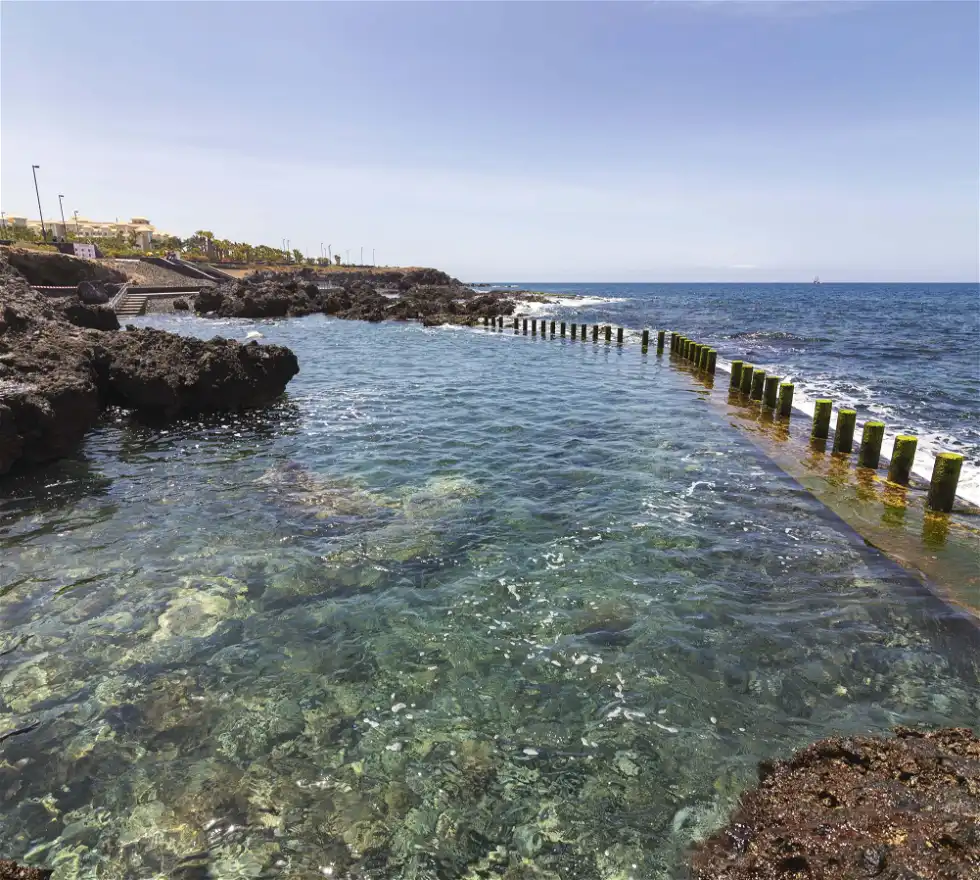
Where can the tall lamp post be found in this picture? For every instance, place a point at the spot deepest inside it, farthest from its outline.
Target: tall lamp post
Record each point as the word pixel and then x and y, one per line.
pixel 44 231
pixel 61 206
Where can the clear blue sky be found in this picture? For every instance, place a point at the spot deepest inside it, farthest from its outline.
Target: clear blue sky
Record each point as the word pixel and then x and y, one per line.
pixel 551 141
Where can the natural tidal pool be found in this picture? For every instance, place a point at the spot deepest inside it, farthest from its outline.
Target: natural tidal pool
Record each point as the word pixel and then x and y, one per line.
pixel 461 605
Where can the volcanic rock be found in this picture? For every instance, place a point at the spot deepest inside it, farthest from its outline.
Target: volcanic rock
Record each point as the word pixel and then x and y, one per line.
pixel 161 373
pixel 902 807
pixel 56 270
pixel 92 294
pixel 181 305
pixel 57 376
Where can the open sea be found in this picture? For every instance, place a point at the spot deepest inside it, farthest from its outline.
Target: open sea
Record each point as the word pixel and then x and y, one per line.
pixel 465 604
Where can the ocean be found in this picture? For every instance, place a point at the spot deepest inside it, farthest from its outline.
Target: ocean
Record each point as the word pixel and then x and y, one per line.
pixel 907 354
pixel 462 602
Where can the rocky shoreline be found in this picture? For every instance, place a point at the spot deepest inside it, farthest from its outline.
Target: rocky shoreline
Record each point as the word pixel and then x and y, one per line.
pixel 905 807
pixel 425 295
pixel 64 360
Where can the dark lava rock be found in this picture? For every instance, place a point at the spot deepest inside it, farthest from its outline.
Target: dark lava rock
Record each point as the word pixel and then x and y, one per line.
pixel 161 373
pixel 12 871
pixel 81 314
pixel 57 376
pixel 181 305
pixel 888 808
pixel 57 270
pixel 293 297
pixel 92 294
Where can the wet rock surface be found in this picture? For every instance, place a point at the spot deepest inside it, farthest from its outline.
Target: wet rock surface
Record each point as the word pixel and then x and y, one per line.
pixel 425 295
pixel 900 808
pixel 59 369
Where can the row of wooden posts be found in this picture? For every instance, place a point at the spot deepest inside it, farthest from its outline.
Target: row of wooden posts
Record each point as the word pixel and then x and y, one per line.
pixel 777 395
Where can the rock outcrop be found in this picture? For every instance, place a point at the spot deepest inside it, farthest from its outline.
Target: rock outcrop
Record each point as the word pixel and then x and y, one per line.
pixel 888 808
pixel 425 295
pixel 57 373
pixel 56 270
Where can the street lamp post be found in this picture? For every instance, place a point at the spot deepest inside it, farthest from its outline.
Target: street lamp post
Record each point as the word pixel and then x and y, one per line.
pixel 44 231
pixel 61 206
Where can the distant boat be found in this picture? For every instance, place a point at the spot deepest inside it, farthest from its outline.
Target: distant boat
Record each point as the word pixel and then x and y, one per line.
pixel 816 279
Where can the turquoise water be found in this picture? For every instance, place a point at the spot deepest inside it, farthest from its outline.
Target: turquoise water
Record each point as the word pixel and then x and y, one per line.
pixel 461 605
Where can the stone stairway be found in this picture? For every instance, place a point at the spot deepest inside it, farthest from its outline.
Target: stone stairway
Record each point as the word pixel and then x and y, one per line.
pixel 131 305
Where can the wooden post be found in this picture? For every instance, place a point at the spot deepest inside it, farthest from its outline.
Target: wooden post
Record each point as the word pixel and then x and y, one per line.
pixel 500 322
pixel 844 433
pixel 608 333
pixel 903 455
pixel 619 335
pixel 552 328
pixel 745 383
pixel 524 327
pixel 563 329
pixel 821 419
pixel 869 455
pixel 712 361
pixel 574 331
pixel 674 339
pixel 703 363
pixel 516 325
pixel 945 477
pixel 534 326
pixel 595 332
pixel 758 383
pixel 486 321
pixel 771 391
pixel 645 341
pixel 736 375
pixel 661 339
pixel 786 399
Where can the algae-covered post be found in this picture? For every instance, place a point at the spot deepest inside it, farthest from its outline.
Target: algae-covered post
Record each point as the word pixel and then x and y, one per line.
pixel 945 477
pixel 821 419
pixel 552 328
pixel 516 325
pixel 574 331
pixel 745 383
pixel 869 456
pixel 563 329
pixel 595 332
pixel 844 433
pixel 703 363
pixel 758 383
pixel 619 335
pixel 608 333
pixel 524 327
pixel 771 392
pixel 645 341
pixel 712 361
pixel 736 375
pixel 661 339
pixel 534 326
pixel 786 399
pixel 500 322
pixel 903 455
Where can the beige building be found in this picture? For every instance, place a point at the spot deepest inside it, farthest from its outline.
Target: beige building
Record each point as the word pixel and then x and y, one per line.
pixel 81 227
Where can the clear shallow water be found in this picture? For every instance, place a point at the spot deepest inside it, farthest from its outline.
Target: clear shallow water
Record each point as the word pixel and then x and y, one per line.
pixel 462 601
pixel 903 353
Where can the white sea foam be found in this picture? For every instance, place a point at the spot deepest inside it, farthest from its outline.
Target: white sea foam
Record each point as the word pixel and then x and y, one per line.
pixel 566 302
pixel 931 443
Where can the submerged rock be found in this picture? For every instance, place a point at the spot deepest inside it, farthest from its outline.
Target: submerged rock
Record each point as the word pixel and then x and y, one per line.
pixel 10 870
pixel 899 807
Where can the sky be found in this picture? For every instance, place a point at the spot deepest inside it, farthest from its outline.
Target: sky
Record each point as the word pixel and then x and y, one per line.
pixel 665 141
